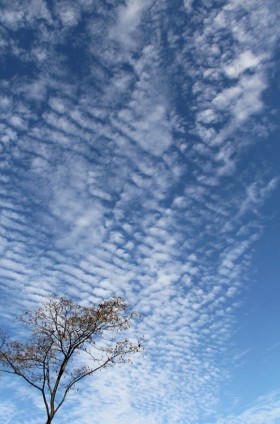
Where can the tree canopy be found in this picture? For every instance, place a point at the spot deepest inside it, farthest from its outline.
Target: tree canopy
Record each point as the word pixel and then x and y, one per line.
pixel 67 343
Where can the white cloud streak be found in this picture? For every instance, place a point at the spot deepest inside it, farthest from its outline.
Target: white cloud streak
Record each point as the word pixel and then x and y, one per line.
pixel 266 409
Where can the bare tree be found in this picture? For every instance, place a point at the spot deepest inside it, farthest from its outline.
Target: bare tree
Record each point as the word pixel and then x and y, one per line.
pixel 62 330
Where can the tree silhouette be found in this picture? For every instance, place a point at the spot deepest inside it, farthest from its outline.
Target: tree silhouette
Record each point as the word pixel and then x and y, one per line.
pixel 68 342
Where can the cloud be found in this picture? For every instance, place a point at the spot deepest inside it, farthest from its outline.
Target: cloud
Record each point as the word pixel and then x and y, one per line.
pixel 246 60
pixel 188 5
pixel 123 173
pixel 265 409
pixel 129 17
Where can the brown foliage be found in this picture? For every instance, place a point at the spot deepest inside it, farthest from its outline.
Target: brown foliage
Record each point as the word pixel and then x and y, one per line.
pixel 62 330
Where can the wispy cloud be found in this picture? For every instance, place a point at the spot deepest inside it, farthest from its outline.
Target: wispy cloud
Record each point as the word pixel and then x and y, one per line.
pixel 265 410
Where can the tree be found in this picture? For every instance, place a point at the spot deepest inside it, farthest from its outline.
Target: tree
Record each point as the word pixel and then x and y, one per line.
pixel 60 331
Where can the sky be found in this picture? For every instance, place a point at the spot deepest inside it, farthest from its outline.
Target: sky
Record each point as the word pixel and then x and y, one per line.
pixel 140 157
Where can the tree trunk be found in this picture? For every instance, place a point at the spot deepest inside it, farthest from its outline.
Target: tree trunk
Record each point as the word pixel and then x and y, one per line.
pixel 49 420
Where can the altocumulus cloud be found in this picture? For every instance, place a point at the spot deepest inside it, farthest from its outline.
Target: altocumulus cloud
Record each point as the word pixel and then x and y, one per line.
pixel 131 165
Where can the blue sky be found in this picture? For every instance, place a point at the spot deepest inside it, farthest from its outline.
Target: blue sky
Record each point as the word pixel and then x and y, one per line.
pixel 140 157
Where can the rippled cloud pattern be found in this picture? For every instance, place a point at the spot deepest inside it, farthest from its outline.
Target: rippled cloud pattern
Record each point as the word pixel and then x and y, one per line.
pixel 138 154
